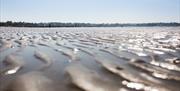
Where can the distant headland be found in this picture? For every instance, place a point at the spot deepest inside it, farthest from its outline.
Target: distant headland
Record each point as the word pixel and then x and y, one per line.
pixel 59 24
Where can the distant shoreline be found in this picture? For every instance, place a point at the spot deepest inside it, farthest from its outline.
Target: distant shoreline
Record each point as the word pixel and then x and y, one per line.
pixel 59 24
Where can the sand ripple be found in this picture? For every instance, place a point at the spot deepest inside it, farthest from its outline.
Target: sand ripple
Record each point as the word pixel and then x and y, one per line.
pixel 90 59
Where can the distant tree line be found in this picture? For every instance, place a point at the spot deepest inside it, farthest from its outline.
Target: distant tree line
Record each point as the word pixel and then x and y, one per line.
pixel 58 24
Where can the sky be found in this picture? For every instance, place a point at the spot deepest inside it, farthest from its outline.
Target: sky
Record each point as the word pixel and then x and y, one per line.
pixel 90 11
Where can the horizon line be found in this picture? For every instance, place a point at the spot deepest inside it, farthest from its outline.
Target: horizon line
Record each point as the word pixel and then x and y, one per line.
pixel 90 22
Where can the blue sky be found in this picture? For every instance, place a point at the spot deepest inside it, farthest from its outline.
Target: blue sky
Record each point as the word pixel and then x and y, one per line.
pixel 92 11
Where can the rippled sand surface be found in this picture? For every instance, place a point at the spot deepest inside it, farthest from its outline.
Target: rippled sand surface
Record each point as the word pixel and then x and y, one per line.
pixel 90 59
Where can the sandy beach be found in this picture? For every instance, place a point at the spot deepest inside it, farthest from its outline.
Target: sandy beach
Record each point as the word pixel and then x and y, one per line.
pixel 90 59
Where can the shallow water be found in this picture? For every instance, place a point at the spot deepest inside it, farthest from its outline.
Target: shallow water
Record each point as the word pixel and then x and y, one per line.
pixel 90 59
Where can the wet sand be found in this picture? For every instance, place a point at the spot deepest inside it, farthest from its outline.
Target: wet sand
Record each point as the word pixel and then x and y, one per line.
pixel 90 59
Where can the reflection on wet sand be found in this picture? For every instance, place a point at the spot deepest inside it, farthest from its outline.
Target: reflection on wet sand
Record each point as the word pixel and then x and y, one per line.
pixel 13 64
pixel 43 57
pixel 90 80
pixel 32 81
